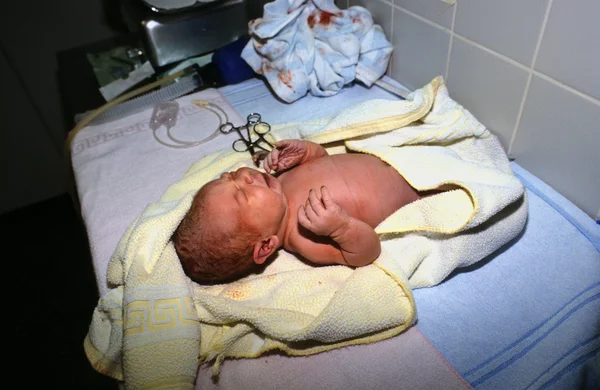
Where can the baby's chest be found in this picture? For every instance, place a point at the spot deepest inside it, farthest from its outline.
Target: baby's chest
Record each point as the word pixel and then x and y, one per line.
pixel 361 185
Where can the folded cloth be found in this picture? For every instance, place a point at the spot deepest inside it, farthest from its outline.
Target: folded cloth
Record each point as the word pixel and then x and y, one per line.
pixel 156 313
pixel 312 45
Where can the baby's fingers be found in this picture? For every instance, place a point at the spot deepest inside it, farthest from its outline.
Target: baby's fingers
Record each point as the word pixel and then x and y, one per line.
pixel 309 210
pixel 326 197
pixel 303 218
pixel 267 163
pixel 315 202
pixel 272 161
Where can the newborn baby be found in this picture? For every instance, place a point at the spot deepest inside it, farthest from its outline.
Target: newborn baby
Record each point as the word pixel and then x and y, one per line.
pixel 323 208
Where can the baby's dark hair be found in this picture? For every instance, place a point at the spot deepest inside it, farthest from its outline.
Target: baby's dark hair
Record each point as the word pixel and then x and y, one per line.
pixel 211 256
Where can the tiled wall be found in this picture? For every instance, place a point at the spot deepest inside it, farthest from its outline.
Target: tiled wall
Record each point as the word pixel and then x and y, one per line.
pixel 527 69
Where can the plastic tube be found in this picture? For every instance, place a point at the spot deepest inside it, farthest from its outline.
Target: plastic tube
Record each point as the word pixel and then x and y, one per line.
pixel 86 120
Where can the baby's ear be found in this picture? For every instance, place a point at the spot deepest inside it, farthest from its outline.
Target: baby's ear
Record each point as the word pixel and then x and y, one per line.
pixel 265 248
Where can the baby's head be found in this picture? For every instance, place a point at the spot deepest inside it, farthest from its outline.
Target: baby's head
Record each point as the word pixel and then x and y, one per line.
pixel 234 222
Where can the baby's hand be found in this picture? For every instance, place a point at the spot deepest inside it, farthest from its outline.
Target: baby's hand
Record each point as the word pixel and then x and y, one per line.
pixel 321 215
pixel 286 154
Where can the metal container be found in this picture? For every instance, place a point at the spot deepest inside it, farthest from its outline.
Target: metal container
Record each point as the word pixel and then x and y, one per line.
pixel 174 36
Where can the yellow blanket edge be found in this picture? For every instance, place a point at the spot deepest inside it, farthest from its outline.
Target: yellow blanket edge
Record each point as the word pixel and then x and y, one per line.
pixel 382 124
pixel 100 362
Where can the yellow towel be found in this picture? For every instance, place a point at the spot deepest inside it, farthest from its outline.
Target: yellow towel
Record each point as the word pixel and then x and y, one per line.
pixel 156 326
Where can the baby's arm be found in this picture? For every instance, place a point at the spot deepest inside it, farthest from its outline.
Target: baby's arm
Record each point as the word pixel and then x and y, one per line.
pixel 291 152
pixel 359 244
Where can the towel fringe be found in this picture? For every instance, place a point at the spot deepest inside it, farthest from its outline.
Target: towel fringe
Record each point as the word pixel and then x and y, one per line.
pixel 217 365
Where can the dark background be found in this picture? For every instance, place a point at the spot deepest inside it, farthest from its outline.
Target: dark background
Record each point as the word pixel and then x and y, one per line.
pixel 52 290
pixel 52 294
pixel 33 35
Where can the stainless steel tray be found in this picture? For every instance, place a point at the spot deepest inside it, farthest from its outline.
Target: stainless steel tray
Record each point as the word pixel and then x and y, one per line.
pixel 171 37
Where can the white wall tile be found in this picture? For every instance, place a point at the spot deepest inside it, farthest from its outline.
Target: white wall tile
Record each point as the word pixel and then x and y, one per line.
pixel 420 51
pixel 381 13
pixel 488 86
pixel 31 169
pixel 434 10
pixel 558 139
pixel 510 27
pixel 570 49
pixel 492 87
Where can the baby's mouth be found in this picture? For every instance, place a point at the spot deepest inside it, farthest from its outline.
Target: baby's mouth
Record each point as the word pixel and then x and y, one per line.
pixel 268 179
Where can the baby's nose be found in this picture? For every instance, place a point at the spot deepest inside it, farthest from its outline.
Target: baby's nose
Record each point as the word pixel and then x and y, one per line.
pixel 245 175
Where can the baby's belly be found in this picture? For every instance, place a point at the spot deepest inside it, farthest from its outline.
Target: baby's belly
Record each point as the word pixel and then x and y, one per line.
pixel 366 187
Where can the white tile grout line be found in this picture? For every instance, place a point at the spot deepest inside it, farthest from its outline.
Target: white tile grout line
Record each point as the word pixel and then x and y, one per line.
pixel 447 73
pixel 582 95
pixel 421 18
pixel 496 54
pixel 529 77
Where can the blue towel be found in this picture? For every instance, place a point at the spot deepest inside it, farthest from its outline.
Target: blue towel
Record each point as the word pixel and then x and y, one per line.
pixel 303 46
pixel 528 316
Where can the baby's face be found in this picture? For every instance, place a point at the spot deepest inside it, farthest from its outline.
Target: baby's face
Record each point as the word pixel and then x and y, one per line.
pixel 249 196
